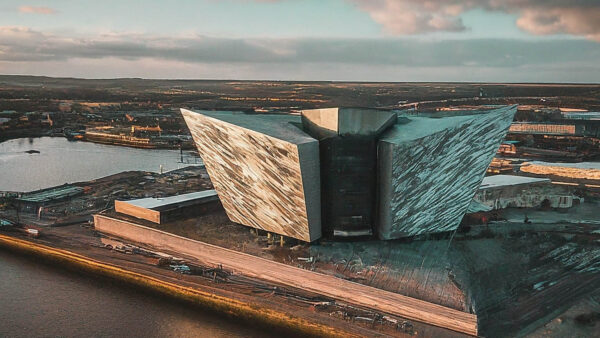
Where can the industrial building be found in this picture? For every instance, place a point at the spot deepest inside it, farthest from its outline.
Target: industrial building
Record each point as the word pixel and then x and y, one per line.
pixel 510 191
pixel 32 201
pixel 348 171
pixel 161 210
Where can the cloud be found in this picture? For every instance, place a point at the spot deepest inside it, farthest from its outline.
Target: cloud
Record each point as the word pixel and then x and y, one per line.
pixel 576 21
pixel 20 44
pixel 541 17
pixel 36 10
pixel 412 17
pixel 24 44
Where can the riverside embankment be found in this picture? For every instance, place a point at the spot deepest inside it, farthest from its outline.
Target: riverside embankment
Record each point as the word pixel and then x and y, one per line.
pixel 233 308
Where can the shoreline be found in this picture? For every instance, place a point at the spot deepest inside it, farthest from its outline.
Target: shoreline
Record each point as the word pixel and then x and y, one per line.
pixel 39 134
pixel 17 134
pixel 211 302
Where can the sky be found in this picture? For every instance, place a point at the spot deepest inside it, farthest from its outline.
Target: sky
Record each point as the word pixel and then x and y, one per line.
pixel 329 40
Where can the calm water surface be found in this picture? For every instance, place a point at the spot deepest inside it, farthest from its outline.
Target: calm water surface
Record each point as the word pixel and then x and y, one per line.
pixel 37 300
pixel 62 161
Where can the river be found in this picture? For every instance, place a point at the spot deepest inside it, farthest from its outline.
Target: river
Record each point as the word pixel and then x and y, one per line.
pixel 37 300
pixel 62 161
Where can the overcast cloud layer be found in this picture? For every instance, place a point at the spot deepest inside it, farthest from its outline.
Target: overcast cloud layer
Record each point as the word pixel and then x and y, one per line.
pixel 393 56
pixel 23 44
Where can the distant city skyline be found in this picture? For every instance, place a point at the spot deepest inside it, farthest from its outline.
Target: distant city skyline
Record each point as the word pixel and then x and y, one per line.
pixel 337 40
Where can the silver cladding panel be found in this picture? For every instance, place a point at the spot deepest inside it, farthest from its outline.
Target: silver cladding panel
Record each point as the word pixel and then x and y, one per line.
pixel 264 168
pixel 430 169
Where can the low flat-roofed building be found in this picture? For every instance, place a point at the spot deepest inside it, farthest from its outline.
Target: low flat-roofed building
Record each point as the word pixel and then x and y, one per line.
pixel 31 201
pixel 497 181
pixel 511 191
pixel 160 210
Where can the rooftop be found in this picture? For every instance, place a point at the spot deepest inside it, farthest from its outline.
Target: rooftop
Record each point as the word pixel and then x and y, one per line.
pixel 322 123
pixel 509 180
pixel 581 115
pixel 47 195
pixel 410 128
pixel 280 126
pixel 165 203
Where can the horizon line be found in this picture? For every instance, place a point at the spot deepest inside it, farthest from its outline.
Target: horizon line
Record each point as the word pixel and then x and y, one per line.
pixel 299 81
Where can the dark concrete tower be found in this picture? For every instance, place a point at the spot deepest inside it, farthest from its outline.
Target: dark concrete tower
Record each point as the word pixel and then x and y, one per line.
pixel 348 156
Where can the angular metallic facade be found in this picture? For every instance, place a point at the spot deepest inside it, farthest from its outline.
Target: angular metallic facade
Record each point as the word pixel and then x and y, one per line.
pixel 265 171
pixel 430 169
pixel 347 171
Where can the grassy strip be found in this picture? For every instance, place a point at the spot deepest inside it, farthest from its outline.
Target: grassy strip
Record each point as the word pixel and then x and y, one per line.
pixel 216 303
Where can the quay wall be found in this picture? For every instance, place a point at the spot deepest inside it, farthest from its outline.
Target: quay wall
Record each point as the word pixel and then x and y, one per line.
pixel 228 306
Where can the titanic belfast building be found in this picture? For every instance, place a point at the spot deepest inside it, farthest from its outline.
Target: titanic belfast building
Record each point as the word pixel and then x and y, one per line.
pixel 348 171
